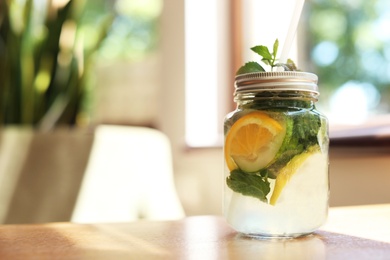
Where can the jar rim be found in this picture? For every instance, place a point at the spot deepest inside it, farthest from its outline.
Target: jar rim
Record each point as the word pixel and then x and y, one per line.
pixel 279 81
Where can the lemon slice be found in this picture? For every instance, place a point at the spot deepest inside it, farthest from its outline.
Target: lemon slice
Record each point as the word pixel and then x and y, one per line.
pixel 253 141
pixel 286 173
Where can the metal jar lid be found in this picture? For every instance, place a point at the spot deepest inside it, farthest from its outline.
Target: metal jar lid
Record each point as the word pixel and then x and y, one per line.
pixel 276 81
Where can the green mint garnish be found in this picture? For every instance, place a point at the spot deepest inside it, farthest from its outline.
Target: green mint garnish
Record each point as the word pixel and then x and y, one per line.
pixel 268 58
pixel 301 136
pixel 249 184
pixel 250 67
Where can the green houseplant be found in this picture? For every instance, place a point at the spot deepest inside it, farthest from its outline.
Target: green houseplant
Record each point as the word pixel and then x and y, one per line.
pixel 45 54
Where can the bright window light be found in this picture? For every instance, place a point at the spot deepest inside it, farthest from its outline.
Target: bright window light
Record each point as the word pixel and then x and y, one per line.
pixel 201 73
pixel 265 28
pixel 207 26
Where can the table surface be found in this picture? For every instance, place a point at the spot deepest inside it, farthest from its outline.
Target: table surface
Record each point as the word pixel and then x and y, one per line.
pixel 359 232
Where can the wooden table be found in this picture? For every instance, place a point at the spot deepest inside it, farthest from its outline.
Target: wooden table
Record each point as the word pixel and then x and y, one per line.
pixel 351 233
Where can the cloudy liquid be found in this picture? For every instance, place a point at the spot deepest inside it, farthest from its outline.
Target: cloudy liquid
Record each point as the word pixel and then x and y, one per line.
pixel 301 208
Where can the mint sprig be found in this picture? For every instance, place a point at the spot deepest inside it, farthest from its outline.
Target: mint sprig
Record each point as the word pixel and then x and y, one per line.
pixel 249 184
pixel 250 67
pixel 301 136
pixel 268 58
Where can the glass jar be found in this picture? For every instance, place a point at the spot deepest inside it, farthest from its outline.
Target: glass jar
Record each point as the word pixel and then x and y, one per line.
pixel 276 181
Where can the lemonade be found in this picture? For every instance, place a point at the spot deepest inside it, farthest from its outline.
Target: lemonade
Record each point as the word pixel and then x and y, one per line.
pixel 276 156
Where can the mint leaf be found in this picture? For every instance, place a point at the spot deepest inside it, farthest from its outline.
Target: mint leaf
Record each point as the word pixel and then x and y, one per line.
pixel 263 52
pixel 249 184
pixel 268 58
pixel 250 67
pixel 266 62
pixel 275 48
pixel 301 135
pixel 306 128
pixel 289 66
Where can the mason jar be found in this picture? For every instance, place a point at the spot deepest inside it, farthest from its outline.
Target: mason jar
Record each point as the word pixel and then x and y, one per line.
pixel 276 181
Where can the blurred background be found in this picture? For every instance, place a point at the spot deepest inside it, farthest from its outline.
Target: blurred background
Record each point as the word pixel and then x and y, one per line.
pixel 76 73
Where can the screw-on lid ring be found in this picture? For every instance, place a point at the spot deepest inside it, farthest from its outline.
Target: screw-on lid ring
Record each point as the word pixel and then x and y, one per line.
pixel 284 80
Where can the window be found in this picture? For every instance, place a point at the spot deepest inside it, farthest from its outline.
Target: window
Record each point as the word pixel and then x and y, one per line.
pixel 349 47
pixel 207 71
pixel 346 43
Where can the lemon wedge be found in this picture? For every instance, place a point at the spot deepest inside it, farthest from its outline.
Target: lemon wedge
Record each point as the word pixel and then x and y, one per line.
pixel 287 172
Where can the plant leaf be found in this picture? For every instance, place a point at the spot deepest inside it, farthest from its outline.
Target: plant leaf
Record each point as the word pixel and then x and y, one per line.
pixel 301 136
pixel 276 47
pixel 266 62
pixel 250 67
pixel 249 184
pixel 262 51
pixel 291 64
